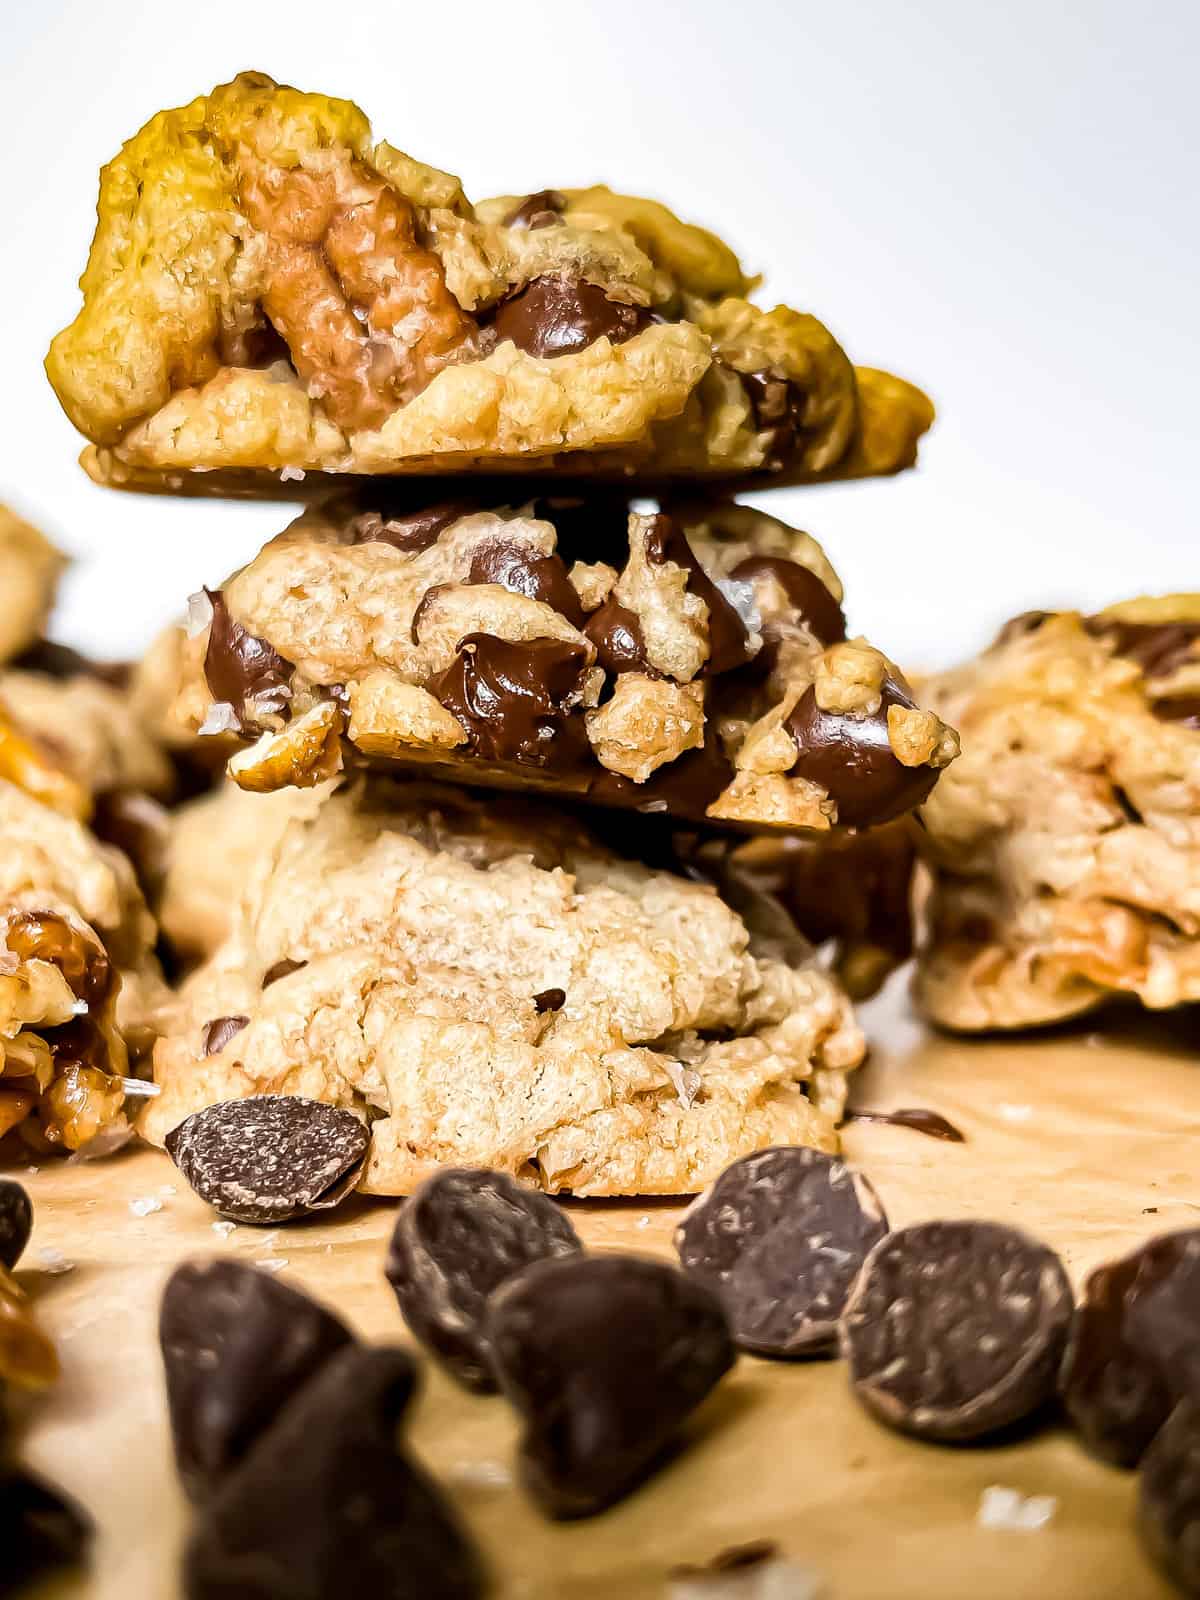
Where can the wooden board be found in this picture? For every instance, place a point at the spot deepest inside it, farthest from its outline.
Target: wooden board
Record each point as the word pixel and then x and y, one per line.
pixel 1087 1139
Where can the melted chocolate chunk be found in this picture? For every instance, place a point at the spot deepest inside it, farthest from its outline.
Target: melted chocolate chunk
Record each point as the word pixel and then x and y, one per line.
pixel 240 668
pixel 538 210
pixel 956 1329
pixel 604 1357
pixel 779 1238
pixel 560 315
pixel 516 566
pixel 46 936
pixel 281 969
pixel 236 1345
pixel 325 1505
pixel 1158 647
pixel 616 633
pixel 728 639
pixel 409 531
pixel 931 1123
pixel 549 1000
pixel 16 1222
pixel 820 612
pixel 461 1235
pixel 1169 1497
pixel 684 787
pixel 779 408
pixel 852 759
pixel 1133 1352
pixel 270 1157
pixel 511 699
pixel 216 1034
pixel 41 1530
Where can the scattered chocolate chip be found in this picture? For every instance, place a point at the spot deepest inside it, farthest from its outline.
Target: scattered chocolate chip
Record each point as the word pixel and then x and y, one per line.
pixel 517 567
pixel 549 1000
pixel 324 1505
pixel 16 1222
pixel 956 1329
pixel 409 531
pixel 46 936
pixel 616 633
pixel 931 1123
pixel 215 1035
pixel 41 1530
pixel 281 969
pixel 851 758
pixel 240 668
pixel 738 1558
pixel 512 699
pixel 270 1157
pixel 1158 647
pixel 779 1238
pixel 461 1235
pixel 1169 1497
pixel 1133 1350
pixel 537 210
pixel 806 594
pixel 728 639
pixel 604 1357
pixel 558 315
pixel 236 1345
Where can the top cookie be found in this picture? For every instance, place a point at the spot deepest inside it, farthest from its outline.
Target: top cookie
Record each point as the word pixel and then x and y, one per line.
pixel 271 293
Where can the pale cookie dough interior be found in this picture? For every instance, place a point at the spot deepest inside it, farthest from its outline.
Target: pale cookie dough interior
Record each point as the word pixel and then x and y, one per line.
pixel 1065 843
pixel 488 986
pixel 271 294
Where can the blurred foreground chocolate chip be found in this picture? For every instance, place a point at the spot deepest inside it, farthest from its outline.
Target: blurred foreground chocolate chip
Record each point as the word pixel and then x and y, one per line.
pixel 236 1346
pixel 459 1236
pixel 326 1508
pixel 956 1329
pixel 1134 1348
pixel 41 1530
pixel 16 1222
pixel 270 1157
pixel 604 1357
pixel 1169 1497
pixel 779 1238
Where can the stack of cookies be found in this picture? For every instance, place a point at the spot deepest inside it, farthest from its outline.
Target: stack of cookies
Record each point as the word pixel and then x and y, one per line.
pixel 532 730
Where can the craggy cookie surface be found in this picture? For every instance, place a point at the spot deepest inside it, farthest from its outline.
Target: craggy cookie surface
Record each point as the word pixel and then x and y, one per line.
pixel 694 663
pixel 271 292
pixel 488 986
pixel 1065 842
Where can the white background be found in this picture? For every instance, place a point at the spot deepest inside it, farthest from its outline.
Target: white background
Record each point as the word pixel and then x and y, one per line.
pixel 996 200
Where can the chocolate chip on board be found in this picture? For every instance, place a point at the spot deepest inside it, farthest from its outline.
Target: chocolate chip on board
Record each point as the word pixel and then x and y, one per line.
pixel 270 1157
pixel 462 1233
pixel 236 1345
pixel 779 1238
pixel 1169 1497
pixel 604 1357
pixel 41 1530
pixel 16 1222
pixel 1133 1350
pixel 325 1507
pixel 956 1329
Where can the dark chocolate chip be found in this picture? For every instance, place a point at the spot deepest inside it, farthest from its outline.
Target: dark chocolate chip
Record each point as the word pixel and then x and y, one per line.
pixel 511 699
pixel 738 1558
pixel 604 1357
pixel 41 1530
pixel 240 668
pixel 410 531
pixel 779 1238
pixel 236 1345
pixel 685 787
pixel 930 1123
pixel 461 1235
pixel 325 1506
pixel 956 1329
pixel 1158 647
pixel 550 1000
pixel 1133 1348
pixel 1169 1497
pixel 559 315
pixel 616 633
pixel 47 936
pixel 281 969
pixel 1181 708
pixel 516 566
pixel 215 1035
pixel 270 1157
pixel 537 210
pixel 728 638
pixel 851 758
pixel 16 1222
pixel 780 408
pixel 806 594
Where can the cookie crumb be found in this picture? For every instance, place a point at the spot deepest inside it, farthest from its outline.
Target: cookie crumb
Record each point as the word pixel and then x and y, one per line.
pixel 145 1205
pixel 223 1228
pixel 1010 1510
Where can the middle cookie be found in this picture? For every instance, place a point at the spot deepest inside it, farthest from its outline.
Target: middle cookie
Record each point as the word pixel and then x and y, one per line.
pixel 694 663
